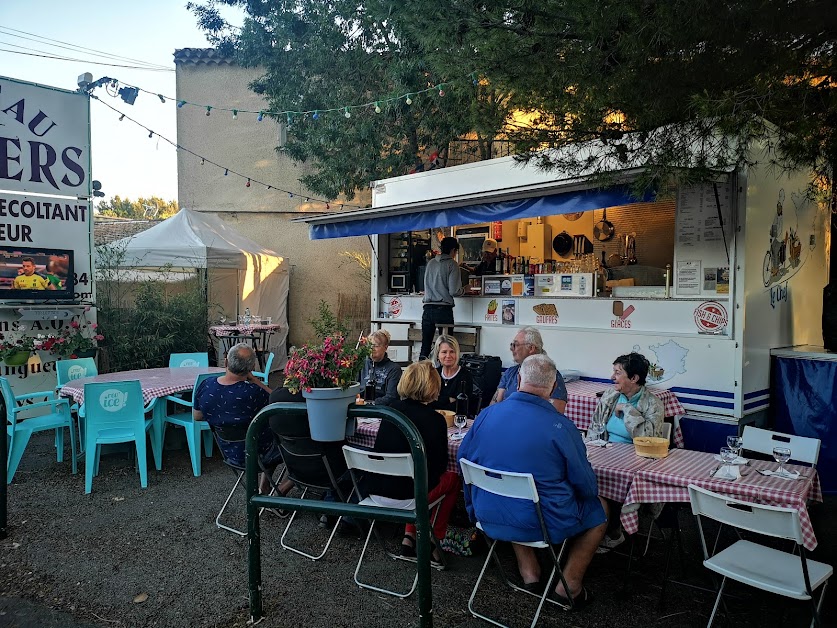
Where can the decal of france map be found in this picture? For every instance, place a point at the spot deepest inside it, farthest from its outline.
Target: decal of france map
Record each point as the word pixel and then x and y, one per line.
pixel 667 360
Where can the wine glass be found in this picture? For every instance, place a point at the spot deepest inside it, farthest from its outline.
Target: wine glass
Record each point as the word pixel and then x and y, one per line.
pixel 735 442
pixel 460 421
pixel 594 432
pixel 223 319
pixel 728 455
pixel 781 455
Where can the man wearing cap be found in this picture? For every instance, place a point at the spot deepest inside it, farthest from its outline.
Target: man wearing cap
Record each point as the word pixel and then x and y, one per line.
pixel 442 282
pixel 487 265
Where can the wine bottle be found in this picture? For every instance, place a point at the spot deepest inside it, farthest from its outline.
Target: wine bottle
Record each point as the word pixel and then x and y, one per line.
pixel 462 400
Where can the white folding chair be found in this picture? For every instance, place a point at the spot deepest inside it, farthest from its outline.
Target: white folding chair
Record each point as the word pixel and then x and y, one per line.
pixel 803 449
pixel 516 486
pixel 400 465
pixel 759 566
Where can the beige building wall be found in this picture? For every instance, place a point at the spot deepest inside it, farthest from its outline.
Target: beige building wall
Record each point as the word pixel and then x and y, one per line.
pixel 248 147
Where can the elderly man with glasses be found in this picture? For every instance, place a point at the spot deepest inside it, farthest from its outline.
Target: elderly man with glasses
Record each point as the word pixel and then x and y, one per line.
pixel 528 342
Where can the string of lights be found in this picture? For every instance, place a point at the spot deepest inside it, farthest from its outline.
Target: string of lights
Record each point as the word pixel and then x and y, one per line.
pixel 377 105
pixel 250 181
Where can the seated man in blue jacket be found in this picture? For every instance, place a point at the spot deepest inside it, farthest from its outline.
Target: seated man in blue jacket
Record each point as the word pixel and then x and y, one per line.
pixel 526 434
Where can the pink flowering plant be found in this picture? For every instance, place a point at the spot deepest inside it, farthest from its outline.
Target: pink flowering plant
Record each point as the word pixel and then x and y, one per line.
pixel 16 342
pixel 80 335
pixel 332 364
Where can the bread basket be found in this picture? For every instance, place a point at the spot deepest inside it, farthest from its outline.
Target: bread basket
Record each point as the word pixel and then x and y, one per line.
pixel 651 447
pixel 448 414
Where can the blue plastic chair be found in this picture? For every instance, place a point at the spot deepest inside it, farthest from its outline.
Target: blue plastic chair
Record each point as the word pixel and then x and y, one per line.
pixel 19 429
pixel 71 370
pixel 114 414
pixel 266 374
pixel 178 360
pixel 194 429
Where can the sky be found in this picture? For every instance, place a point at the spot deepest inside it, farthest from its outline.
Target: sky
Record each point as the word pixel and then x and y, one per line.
pixel 124 159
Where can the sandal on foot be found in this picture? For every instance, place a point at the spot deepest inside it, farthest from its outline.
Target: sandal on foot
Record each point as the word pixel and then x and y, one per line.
pixel 579 601
pixel 536 588
pixel 408 550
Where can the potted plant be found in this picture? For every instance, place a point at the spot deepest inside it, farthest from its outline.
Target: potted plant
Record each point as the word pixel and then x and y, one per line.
pixel 79 339
pixel 16 347
pixel 327 375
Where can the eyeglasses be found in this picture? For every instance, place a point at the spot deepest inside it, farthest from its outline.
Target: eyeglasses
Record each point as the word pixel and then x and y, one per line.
pixel 515 345
pixel 374 346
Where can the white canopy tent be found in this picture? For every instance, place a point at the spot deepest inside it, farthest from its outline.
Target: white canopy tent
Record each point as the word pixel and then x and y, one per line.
pixel 241 273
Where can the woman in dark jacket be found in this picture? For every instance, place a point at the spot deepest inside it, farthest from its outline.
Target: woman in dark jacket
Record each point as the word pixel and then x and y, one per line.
pixel 454 377
pixel 419 386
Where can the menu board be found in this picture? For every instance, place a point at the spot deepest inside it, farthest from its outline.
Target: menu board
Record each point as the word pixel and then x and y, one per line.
pixel 703 239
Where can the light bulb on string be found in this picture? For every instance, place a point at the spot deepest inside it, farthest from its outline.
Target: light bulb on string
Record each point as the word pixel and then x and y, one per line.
pixel 315 115
pixel 203 161
pixel 290 194
pixel 150 134
pixel 226 171
pixel 347 114
pixel 409 100
pixel 289 120
pixel 441 88
pixel 208 109
pixel 162 98
pixel 474 78
pixel 122 117
pixel 180 104
pixel 377 107
pixel 235 114
pixel 260 117
pixel 247 185
pixel 267 187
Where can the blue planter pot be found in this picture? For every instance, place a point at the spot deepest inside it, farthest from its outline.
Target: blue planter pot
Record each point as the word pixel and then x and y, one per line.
pixel 327 410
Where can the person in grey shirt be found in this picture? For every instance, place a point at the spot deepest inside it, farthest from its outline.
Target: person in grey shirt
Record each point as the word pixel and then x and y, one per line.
pixel 442 282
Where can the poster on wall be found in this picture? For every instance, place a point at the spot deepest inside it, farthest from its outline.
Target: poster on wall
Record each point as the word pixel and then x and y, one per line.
pixel 45 224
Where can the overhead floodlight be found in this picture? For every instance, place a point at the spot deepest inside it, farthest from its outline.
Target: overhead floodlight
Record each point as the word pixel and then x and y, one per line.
pixel 128 94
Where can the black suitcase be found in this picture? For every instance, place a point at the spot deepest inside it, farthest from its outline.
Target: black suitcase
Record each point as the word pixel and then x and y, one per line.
pixel 486 371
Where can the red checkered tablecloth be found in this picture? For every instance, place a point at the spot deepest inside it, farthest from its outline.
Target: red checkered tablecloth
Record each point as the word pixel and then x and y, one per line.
pixel 155 382
pixel 615 467
pixel 582 402
pixel 668 479
pixel 367 430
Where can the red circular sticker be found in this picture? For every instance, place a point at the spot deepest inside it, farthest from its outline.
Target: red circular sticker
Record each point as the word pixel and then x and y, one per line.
pixel 711 317
pixel 395 307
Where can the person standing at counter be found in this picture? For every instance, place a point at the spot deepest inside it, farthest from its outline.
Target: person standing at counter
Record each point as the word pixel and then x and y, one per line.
pixel 528 341
pixel 454 376
pixel 382 371
pixel 442 282
pixel 488 263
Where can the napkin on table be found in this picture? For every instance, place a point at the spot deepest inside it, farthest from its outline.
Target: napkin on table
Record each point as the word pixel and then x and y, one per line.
pixel 738 460
pixel 786 475
pixel 727 472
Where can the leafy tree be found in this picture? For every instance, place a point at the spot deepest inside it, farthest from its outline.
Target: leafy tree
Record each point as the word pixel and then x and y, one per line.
pixel 658 85
pixel 153 207
pixel 321 55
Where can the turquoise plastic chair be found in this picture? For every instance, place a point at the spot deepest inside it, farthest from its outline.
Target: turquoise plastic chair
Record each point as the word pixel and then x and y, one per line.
pixel 68 371
pixel 266 374
pixel 114 414
pixel 19 429
pixel 194 429
pixel 178 360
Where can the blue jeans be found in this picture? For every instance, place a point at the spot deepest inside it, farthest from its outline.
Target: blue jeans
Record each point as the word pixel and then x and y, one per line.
pixel 431 316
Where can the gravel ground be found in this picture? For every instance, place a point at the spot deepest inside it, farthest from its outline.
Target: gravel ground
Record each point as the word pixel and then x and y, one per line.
pixel 125 556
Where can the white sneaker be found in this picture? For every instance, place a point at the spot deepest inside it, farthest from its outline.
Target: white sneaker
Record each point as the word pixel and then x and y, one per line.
pixel 609 543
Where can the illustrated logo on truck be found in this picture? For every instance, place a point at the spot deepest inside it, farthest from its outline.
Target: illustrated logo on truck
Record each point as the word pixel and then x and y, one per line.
pixel 711 317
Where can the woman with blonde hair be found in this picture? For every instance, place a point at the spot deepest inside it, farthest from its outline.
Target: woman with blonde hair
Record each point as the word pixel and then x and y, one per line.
pixel 454 376
pixel 380 370
pixel 419 386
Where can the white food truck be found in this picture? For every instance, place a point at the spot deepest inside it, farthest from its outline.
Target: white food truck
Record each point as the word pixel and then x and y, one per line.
pixel 703 280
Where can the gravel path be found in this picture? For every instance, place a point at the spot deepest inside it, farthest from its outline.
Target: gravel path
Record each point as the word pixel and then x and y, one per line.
pixel 124 556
